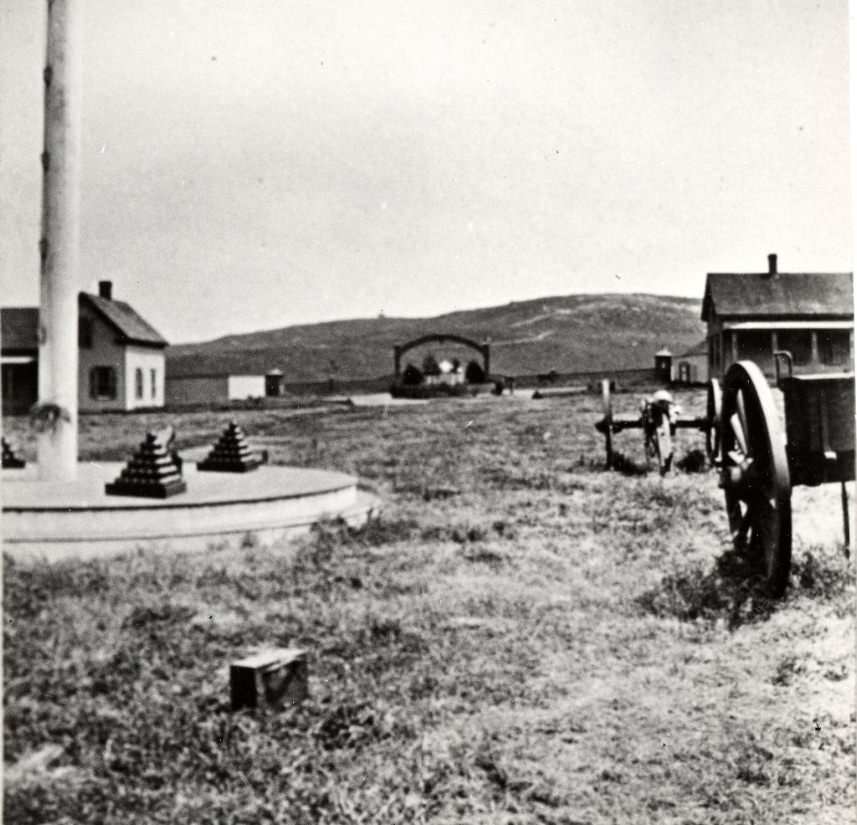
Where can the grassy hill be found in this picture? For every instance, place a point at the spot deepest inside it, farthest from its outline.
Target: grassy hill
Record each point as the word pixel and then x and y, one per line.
pixel 567 333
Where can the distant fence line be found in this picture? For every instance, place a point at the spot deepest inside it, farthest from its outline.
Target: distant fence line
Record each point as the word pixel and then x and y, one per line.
pixel 334 386
pixel 626 377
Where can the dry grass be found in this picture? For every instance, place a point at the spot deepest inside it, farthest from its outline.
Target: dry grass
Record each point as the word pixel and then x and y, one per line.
pixel 521 637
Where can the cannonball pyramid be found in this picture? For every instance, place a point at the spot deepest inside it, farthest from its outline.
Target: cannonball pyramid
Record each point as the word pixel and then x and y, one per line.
pixel 151 473
pixel 231 453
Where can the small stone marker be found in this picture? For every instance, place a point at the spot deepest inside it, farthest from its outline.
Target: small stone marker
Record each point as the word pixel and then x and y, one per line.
pixel 270 678
pixel 10 459
pixel 151 472
pixel 231 453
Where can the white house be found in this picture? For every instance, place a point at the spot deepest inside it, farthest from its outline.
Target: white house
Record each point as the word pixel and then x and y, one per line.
pixel 121 363
pixel 752 315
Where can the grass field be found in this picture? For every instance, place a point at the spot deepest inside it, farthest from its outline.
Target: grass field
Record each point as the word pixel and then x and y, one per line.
pixel 520 637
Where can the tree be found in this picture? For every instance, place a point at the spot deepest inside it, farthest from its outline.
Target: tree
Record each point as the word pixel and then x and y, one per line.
pixel 430 365
pixel 412 376
pixel 474 374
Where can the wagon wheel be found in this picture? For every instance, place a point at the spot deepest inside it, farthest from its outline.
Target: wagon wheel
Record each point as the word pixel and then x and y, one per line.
pixel 607 422
pixel 663 442
pixel 713 412
pixel 658 437
pixel 650 449
pixel 755 473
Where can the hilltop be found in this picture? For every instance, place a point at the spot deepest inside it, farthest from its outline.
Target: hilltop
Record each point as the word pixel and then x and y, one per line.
pixel 567 333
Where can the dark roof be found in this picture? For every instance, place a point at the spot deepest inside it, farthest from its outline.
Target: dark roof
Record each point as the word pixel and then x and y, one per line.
pixel 19 328
pixel 121 316
pixel 700 349
pixel 784 294
pixel 20 324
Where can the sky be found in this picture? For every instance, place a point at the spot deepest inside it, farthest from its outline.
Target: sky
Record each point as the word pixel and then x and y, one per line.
pixel 257 164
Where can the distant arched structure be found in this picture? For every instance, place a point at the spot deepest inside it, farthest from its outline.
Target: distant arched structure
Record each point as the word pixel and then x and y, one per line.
pixel 484 349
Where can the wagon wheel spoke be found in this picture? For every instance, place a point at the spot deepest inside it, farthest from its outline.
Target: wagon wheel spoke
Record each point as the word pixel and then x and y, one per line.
pixel 743 474
pixel 740 531
pixel 739 432
pixel 742 416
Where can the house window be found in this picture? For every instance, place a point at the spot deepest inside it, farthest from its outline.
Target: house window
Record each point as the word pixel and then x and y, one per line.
pixel 153 374
pixel 102 383
pixel 834 346
pixel 84 333
pixel 798 343
pixel 138 383
pixel 754 346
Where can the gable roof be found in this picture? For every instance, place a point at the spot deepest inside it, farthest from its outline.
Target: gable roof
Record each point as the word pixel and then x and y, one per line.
pixel 782 294
pixel 132 328
pixel 19 328
pixel 20 325
pixel 698 349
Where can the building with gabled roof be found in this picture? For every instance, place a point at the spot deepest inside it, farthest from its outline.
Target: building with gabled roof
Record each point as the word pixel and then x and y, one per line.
pixel 121 358
pixel 691 366
pixel 19 374
pixel 752 315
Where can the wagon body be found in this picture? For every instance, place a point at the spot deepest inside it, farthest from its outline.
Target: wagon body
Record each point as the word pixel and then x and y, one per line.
pixel 819 417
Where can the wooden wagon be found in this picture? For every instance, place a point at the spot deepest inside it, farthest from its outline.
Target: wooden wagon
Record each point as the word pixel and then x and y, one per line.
pixel 760 463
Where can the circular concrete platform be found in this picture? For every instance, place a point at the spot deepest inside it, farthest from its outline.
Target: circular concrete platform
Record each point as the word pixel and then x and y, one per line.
pixel 56 520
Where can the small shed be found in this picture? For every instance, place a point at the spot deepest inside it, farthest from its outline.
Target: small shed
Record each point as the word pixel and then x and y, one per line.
pixel 189 390
pixel 752 315
pixel 663 366
pixel 691 367
pixel 274 384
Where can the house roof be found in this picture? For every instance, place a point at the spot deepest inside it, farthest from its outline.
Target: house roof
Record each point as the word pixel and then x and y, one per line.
pixel 782 294
pixel 133 328
pixel 19 328
pixel 699 349
pixel 20 325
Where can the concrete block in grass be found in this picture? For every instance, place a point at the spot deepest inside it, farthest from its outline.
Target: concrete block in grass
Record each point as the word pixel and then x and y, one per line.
pixel 271 678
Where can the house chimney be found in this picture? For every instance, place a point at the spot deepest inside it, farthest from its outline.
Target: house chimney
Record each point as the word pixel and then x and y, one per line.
pixel 105 290
pixel 772 264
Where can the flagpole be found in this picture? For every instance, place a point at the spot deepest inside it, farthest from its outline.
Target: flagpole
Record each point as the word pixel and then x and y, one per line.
pixel 59 281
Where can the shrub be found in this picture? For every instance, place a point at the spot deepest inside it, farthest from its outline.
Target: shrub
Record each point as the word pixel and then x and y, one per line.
pixel 430 365
pixel 412 376
pixel 473 373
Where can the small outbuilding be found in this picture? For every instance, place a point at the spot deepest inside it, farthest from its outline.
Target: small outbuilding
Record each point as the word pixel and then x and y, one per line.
pixel 691 367
pixel 752 315
pixel 663 366
pixel 190 390
pixel 274 383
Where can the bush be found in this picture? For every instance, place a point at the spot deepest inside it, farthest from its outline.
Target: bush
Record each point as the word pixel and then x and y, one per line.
pixel 473 373
pixel 412 376
pixel 430 365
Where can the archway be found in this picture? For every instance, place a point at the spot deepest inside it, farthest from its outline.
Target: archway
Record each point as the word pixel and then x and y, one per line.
pixel 400 349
